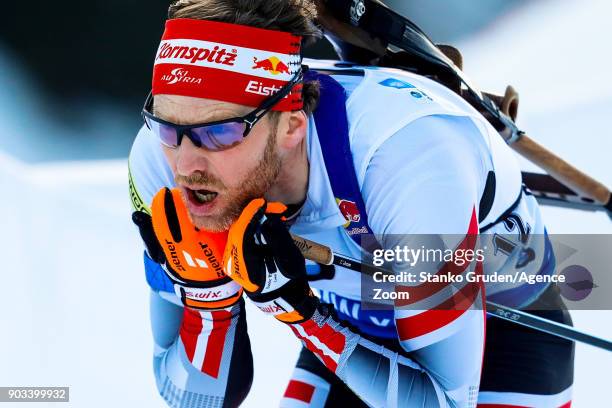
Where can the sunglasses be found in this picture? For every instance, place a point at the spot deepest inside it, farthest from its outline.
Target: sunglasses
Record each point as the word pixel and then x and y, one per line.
pixel 218 135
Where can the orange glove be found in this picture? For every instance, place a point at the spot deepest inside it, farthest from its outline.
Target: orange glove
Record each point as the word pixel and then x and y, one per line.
pixel 261 256
pixel 191 257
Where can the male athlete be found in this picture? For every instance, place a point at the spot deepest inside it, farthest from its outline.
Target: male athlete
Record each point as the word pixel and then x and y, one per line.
pixel 243 142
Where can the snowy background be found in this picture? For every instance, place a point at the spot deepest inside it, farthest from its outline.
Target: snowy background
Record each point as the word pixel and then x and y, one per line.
pixel 74 309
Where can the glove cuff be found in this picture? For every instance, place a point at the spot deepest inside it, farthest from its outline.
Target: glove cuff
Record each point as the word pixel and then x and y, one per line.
pixel 215 297
pixel 289 310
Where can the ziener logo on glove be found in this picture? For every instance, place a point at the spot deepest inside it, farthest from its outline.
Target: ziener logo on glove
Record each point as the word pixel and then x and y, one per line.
pixel 175 259
pixel 212 260
pixel 235 268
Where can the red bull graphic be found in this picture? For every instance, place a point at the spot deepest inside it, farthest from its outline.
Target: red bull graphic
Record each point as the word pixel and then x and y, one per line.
pixel 349 210
pixel 272 64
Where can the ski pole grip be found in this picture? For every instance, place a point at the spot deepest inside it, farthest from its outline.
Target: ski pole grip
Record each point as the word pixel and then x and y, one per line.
pixel 579 182
pixel 313 251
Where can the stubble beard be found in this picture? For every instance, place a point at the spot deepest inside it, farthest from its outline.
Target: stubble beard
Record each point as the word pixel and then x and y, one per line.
pixel 257 182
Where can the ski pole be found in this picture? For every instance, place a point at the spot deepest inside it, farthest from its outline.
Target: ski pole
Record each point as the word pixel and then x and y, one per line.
pixel 549 191
pixel 324 255
pixel 545 325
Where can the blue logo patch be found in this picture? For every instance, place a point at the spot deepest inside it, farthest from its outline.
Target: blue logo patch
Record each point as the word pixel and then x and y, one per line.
pixel 396 83
pixel 416 94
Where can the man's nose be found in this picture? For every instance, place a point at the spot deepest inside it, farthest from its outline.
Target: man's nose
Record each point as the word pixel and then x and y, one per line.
pixel 190 158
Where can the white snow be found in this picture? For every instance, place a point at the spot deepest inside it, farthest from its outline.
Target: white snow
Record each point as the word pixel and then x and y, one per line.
pixel 74 306
pixel 555 54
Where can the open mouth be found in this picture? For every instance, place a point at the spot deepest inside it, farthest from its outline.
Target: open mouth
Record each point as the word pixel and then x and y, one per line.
pixel 201 197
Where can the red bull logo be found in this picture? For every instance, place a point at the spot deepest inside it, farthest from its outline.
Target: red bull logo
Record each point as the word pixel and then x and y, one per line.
pixel 349 210
pixel 272 64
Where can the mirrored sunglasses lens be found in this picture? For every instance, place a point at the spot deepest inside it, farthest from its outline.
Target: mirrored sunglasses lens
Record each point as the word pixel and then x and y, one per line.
pixel 219 137
pixel 166 134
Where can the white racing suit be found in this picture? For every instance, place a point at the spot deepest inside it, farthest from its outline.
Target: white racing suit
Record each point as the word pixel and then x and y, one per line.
pixel 422 157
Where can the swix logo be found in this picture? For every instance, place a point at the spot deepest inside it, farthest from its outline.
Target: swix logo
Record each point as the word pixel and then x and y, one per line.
pixel 272 64
pixel 217 55
pixel 258 88
pixel 180 75
pixel 271 308
pixel 203 295
pixel 349 210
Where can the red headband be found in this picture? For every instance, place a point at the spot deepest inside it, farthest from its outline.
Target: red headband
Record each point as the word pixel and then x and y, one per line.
pixel 227 62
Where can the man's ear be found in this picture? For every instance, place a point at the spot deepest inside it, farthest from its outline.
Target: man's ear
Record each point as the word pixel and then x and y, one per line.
pixel 293 128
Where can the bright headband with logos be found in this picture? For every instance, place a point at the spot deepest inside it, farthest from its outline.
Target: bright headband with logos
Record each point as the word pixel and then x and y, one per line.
pixel 227 62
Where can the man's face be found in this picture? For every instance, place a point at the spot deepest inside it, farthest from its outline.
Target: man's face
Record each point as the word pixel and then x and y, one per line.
pixel 217 185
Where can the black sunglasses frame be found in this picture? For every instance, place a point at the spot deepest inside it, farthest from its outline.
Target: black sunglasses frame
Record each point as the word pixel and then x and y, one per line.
pixel 250 119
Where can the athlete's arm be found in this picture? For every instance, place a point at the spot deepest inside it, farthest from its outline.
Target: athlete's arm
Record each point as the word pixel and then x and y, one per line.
pixel 426 179
pixel 201 358
pixel 435 191
pixel 441 362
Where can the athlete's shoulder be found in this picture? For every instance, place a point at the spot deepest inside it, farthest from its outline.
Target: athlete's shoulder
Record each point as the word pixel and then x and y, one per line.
pixel 148 170
pixel 387 98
